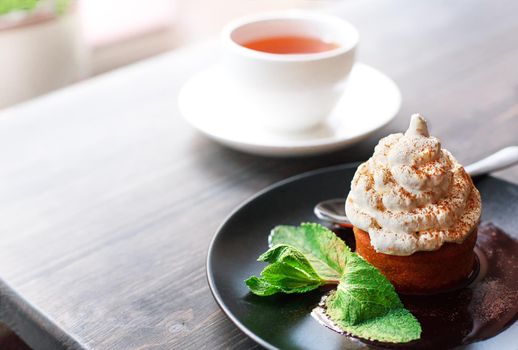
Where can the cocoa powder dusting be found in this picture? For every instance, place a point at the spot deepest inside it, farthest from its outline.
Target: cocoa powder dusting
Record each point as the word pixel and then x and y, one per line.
pixel 494 299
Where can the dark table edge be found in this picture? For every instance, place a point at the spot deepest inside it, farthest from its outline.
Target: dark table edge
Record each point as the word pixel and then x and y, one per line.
pixel 31 324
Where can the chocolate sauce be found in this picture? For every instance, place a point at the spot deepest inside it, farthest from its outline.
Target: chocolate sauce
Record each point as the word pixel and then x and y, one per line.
pixel 480 310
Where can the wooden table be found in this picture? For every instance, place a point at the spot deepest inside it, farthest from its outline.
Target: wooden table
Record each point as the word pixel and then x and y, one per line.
pixel 109 199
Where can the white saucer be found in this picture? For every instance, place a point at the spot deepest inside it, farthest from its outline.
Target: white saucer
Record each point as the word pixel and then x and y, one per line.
pixel 370 101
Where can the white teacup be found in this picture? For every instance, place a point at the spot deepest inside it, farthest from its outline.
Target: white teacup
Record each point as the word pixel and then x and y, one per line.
pixel 288 92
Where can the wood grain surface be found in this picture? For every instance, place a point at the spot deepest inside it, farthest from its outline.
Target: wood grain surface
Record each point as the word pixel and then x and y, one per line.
pixel 109 199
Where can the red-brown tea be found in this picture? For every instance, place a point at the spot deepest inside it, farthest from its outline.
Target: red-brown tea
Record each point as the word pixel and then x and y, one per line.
pixel 290 45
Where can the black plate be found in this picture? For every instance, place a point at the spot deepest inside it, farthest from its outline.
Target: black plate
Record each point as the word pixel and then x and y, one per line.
pixel 284 321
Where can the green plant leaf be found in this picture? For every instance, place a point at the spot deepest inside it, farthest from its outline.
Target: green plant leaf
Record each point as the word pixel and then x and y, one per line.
pixel 397 326
pixel 363 293
pixel 7 6
pixel 366 305
pixel 260 287
pixel 325 251
pixel 289 272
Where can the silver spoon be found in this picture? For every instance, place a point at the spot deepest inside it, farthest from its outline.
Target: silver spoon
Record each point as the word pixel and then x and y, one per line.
pixel 333 210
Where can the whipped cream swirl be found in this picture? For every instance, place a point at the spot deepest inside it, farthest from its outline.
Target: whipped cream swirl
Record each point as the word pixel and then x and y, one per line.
pixel 412 195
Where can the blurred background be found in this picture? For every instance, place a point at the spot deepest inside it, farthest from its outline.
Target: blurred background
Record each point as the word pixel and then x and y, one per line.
pixel 48 44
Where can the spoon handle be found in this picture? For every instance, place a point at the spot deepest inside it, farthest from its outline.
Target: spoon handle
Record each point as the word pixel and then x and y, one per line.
pixel 502 159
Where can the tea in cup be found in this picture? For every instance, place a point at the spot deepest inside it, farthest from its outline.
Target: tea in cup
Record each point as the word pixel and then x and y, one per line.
pixel 290 68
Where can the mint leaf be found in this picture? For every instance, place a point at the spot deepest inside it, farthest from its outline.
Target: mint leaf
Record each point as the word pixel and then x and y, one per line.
pixel 260 287
pixel 397 326
pixel 289 272
pixel 363 293
pixel 366 305
pixel 325 251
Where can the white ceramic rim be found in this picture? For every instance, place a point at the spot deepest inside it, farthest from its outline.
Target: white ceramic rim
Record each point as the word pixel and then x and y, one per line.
pixel 294 147
pixel 231 27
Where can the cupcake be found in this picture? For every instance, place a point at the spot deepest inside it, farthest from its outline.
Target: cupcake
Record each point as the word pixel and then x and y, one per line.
pixel 415 212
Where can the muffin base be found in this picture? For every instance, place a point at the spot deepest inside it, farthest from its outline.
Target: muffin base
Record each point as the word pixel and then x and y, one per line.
pixel 422 272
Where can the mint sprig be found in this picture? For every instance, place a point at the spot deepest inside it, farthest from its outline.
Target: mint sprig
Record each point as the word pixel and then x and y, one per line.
pixel 326 252
pixel 289 272
pixel 365 303
pixel 363 293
